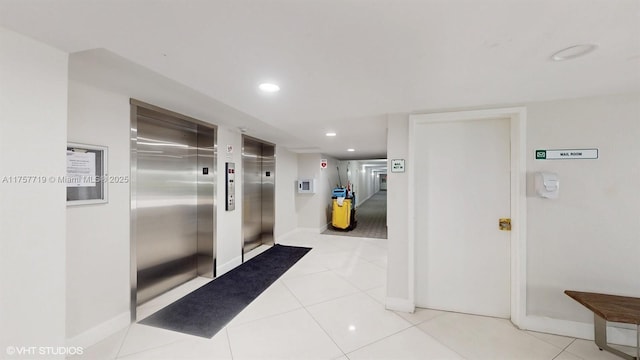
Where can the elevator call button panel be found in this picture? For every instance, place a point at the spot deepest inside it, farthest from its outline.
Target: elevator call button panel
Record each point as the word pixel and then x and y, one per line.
pixel 230 186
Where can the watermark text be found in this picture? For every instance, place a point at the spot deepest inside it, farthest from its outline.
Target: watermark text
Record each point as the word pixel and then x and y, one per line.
pixel 31 179
pixel 43 350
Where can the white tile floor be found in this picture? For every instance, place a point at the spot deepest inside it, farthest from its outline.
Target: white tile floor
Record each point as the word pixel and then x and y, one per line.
pixel 330 306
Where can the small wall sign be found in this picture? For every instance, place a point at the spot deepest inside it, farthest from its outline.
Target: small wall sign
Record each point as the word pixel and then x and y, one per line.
pixel 229 149
pixel 566 154
pixel 397 165
pixel 323 164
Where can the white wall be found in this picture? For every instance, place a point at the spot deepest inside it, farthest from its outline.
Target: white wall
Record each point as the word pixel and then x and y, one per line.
pixel 314 210
pixel 286 177
pixel 98 235
pixel 585 240
pixel 33 136
pixel 398 277
pixel 229 223
pixel 589 238
pixel 366 181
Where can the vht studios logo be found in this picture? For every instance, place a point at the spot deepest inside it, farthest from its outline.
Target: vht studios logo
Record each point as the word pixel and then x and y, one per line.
pixel 43 350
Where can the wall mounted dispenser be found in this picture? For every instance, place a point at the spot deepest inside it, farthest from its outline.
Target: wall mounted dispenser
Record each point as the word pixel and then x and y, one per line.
pixel 547 185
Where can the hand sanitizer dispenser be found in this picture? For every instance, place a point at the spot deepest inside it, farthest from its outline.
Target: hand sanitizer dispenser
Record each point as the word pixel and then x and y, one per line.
pixel 547 185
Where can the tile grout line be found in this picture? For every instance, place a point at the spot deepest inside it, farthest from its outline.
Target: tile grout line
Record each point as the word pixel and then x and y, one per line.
pixel 354 284
pixel 567 351
pixel 317 323
pixel 152 348
pixel 562 349
pixel 226 329
pixel 371 261
pixel 122 342
pixel 373 342
pixel 264 318
pixel 435 338
pixel 382 338
pixel 301 275
pixel 324 301
pixel 438 340
pixel 442 312
pixel 572 341
pixel 374 299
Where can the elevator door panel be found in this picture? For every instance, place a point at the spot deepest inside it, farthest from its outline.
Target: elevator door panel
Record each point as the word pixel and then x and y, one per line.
pixel 206 184
pixel 252 194
pixel 167 205
pixel 267 188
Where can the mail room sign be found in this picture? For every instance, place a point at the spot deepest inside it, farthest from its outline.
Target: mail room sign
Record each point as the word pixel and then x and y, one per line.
pixel 567 154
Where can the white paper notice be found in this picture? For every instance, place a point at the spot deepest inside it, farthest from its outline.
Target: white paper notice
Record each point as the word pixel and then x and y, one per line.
pixel 81 169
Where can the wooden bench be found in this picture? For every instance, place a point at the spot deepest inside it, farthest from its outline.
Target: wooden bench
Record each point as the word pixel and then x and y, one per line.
pixel 614 308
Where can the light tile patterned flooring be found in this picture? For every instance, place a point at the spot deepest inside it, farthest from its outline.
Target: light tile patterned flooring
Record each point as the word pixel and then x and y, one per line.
pixel 330 306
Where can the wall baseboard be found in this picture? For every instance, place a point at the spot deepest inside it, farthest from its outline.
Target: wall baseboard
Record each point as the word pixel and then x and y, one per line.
pixel 228 266
pixel 574 329
pixel 615 335
pixel 399 304
pixel 312 230
pixel 100 331
pixel 289 233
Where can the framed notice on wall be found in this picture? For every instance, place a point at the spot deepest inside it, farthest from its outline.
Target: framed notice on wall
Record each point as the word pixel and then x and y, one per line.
pixel 86 174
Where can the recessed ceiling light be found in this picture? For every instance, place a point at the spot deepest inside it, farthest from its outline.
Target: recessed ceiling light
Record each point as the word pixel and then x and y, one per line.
pixel 331 134
pixel 573 52
pixel 268 87
pixel 351 150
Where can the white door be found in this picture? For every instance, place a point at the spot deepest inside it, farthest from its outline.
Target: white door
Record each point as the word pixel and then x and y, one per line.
pixel 462 187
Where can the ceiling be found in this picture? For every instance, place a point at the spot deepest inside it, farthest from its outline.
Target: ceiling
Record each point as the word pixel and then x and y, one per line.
pixel 343 65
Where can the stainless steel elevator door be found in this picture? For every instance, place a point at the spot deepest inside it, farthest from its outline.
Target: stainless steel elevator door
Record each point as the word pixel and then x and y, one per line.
pixel 167 205
pixel 268 193
pixel 258 168
pixel 206 201
pixel 251 194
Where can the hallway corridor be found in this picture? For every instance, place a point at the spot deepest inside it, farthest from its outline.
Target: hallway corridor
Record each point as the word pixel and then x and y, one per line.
pixel 371 217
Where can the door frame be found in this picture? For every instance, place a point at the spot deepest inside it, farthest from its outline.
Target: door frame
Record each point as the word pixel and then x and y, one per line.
pixel 275 197
pixel 517 116
pixel 134 104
